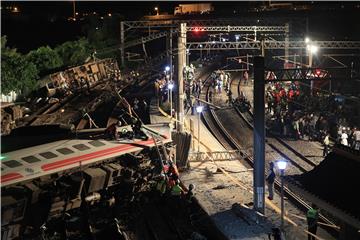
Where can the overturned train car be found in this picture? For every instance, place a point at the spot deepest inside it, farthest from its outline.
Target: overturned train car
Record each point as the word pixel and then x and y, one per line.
pixel 80 77
pixel 57 182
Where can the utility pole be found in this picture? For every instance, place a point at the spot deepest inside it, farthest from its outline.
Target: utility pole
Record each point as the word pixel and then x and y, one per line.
pixel 74 11
pixel 122 41
pixel 171 55
pixel 286 43
pixel 259 135
pixel 180 76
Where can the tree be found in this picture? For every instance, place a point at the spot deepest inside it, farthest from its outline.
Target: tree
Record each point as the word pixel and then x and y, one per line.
pixel 74 52
pixel 45 59
pixel 17 73
pixel 103 32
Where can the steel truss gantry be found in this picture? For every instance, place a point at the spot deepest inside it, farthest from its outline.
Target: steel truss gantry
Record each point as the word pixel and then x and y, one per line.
pixel 192 23
pixel 255 29
pixel 249 21
pixel 229 28
pixel 253 45
pixel 308 74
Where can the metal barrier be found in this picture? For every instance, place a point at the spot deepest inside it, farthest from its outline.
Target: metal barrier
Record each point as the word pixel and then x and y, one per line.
pixel 215 156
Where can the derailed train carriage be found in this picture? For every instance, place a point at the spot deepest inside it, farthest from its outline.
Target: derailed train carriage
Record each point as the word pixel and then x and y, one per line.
pixel 83 76
pixel 52 182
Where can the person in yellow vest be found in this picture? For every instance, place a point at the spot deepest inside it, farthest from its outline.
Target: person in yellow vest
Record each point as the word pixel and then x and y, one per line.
pixel 161 185
pixel 177 190
pixel 176 194
pixel 312 216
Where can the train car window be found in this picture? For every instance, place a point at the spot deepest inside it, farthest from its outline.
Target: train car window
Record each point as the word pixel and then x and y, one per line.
pixel 81 147
pixel 65 151
pixel 50 85
pixel 96 143
pixel 48 155
pixel 31 159
pixel 12 163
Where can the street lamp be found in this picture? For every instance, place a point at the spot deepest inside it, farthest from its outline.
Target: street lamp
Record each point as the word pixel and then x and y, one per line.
pixel 281 164
pixel 199 109
pixel 157 10
pixel 167 68
pixel 200 51
pixel 312 50
pixel 170 87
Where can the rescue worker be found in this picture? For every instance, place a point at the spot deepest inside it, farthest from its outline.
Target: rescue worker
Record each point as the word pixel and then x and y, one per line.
pixel 356 136
pixel 144 103
pixel 136 127
pixel 312 216
pixel 275 234
pixel 190 195
pixel 229 101
pixel 173 172
pixel 136 104
pixel 270 179
pixel 176 193
pixel 161 185
pixel 246 78
pixel 176 190
pixel 326 145
pixel 112 131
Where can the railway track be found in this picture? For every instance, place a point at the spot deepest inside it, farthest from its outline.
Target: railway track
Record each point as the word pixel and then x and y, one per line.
pixel 234 130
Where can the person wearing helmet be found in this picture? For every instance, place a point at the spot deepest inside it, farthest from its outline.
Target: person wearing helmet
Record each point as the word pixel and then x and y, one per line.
pixel 136 127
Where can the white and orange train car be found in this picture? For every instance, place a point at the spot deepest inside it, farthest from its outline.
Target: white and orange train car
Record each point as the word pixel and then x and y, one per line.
pixel 28 174
pixel 30 163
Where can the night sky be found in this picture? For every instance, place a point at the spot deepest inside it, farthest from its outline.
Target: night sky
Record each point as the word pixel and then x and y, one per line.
pixel 48 25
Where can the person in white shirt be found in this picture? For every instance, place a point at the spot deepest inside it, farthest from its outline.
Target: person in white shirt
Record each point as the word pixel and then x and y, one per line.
pixel 344 138
pixel 357 138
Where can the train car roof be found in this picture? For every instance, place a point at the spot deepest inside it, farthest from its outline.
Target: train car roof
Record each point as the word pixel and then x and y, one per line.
pixel 33 162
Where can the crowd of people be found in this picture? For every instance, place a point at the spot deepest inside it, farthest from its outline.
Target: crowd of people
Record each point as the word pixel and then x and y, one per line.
pixel 219 81
pixel 294 114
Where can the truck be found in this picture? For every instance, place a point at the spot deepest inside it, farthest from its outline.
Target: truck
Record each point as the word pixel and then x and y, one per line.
pixel 196 8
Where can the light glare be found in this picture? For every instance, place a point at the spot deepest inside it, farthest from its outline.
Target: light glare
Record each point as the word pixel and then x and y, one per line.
pixel 199 109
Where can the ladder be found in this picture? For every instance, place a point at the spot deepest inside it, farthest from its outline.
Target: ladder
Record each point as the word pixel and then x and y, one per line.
pixel 159 143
